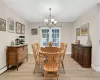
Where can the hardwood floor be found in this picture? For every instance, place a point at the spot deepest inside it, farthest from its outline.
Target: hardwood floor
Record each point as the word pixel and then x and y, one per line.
pixel 73 72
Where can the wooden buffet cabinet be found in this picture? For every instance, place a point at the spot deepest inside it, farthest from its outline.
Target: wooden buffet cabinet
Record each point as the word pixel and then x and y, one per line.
pixel 82 54
pixel 16 54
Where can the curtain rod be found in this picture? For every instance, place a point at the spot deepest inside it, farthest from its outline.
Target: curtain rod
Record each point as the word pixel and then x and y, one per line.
pixel 48 27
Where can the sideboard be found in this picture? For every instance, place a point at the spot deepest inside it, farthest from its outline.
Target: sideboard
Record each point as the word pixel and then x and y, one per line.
pixel 16 54
pixel 82 54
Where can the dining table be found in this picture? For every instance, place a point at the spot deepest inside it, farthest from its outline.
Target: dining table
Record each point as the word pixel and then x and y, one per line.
pixel 51 49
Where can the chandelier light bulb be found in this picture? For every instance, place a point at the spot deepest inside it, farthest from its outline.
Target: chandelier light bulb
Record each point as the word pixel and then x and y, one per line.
pixel 46 20
pixel 55 22
pixel 52 20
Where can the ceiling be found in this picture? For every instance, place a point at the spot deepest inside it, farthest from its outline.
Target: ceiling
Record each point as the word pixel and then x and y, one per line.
pixel 38 10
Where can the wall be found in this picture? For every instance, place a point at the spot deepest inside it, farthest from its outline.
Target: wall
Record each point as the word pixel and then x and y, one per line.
pixel 7 37
pixel 66 34
pixel 91 16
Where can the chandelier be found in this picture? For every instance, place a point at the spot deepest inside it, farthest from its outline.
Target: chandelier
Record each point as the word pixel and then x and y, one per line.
pixel 50 22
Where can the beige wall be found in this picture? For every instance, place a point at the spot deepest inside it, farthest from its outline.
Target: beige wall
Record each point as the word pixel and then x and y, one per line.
pixel 66 34
pixel 91 16
pixel 6 37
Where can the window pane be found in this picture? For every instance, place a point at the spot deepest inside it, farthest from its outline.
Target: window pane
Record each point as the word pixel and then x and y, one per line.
pixel 44 35
pixel 57 30
pixel 54 36
pixel 47 35
pixel 52 31
pixel 57 35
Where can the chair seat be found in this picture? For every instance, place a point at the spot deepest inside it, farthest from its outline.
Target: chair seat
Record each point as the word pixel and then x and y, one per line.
pixel 51 68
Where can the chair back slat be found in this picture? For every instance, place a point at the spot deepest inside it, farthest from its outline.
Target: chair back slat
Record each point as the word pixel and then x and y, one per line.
pixel 64 47
pixel 38 45
pixel 50 44
pixel 34 51
pixel 35 48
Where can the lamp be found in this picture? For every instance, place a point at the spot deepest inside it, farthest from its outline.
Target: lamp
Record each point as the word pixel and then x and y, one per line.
pixel 50 22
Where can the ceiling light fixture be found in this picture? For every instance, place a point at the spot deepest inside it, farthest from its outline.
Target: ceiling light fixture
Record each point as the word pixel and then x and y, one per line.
pixel 50 22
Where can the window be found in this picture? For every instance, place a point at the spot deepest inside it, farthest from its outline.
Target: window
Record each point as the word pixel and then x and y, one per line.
pixel 50 35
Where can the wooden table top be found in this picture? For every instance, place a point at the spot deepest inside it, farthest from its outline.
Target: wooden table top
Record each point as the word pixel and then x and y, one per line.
pixel 51 50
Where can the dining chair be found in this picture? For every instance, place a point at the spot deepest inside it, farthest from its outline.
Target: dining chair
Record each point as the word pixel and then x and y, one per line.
pixel 50 44
pixel 64 47
pixel 36 56
pixel 51 62
pixel 38 45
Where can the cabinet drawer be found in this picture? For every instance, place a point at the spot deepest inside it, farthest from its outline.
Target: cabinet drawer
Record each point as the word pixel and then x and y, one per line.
pixel 11 54
pixel 25 48
pixel 20 51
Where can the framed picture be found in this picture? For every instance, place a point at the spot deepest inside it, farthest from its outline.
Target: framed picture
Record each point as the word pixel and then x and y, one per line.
pixel 23 29
pixel 18 28
pixel 84 29
pixel 10 25
pixel 2 24
pixel 34 31
pixel 78 32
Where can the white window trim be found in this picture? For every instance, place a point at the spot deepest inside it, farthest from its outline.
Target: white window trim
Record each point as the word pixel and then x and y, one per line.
pixel 44 27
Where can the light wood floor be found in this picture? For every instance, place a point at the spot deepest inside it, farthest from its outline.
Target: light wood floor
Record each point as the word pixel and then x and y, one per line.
pixel 73 72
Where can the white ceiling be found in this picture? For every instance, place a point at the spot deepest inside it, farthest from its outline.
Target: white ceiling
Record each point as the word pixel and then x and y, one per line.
pixel 62 10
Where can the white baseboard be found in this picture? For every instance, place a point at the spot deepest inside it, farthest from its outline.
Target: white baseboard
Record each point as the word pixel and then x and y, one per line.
pixel 68 52
pixel 3 69
pixel 30 52
pixel 96 68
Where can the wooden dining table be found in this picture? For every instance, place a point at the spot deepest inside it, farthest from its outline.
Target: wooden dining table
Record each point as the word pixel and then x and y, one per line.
pixel 51 49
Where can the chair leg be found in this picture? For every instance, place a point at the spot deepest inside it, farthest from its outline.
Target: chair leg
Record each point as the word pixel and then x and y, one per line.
pixel 63 66
pixel 34 69
pixel 44 75
pixel 57 75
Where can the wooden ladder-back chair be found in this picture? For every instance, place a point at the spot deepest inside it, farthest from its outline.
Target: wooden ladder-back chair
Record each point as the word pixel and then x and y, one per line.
pixel 36 57
pixel 38 45
pixel 52 61
pixel 50 44
pixel 63 46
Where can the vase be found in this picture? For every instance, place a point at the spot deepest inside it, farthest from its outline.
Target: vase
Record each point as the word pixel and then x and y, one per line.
pixel 89 40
